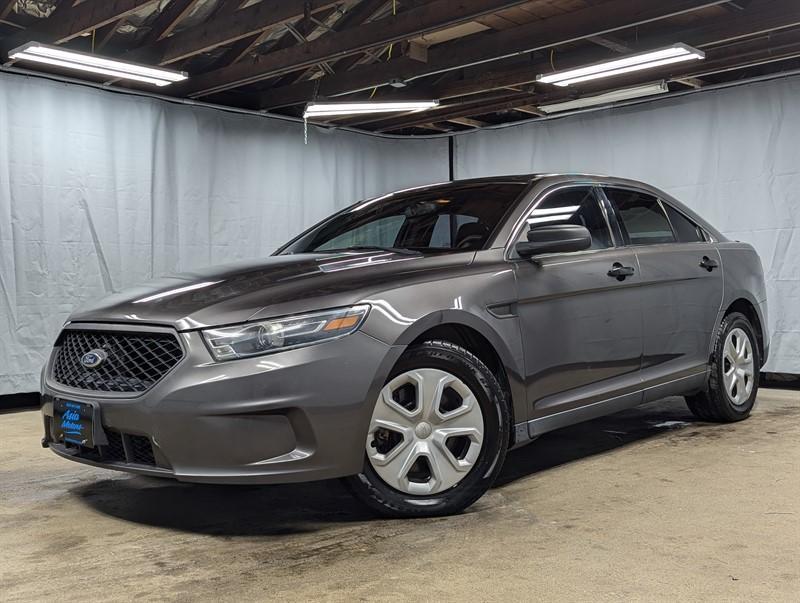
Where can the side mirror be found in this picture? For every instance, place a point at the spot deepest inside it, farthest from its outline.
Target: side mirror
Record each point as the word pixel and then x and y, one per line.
pixel 560 238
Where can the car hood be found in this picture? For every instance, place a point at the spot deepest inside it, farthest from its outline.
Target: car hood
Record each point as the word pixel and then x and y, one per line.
pixel 275 286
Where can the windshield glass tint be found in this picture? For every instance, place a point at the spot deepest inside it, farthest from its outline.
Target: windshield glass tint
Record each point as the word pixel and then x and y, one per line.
pixel 445 219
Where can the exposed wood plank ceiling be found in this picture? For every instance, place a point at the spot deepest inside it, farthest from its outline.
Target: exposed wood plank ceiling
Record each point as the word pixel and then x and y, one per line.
pixel 480 58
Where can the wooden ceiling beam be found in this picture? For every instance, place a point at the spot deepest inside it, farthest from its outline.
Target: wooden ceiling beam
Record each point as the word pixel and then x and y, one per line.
pixel 560 29
pixel 692 82
pixel 783 14
pixel 240 48
pixel 229 28
pixel 452 112
pixel 168 20
pixel 228 7
pixel 760 18
pixel 467 121
pixel 530 110
pixel 104 35
pixel 747 55
pixel 436 127
pixel 359 14
pixel 438 14
pixel 611 43
pixel 75 20
pixel 5 7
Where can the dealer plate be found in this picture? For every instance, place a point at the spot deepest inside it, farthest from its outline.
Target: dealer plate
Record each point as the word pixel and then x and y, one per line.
pixel 73 422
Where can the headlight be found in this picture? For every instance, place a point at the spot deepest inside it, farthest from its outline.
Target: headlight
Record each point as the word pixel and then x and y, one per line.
pixel 264 337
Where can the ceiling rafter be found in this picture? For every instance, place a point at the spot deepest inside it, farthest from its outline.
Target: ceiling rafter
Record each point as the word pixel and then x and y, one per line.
pixel 229 28
pixel 481 77
pixel 240 48
pixel 294 34
pixel 72 21
pixel 169 18
pixel 104 35
pixel 781 16
pixel 434 15
pixel 357 15
pixel 744 55
pixel 561 29
pixel 348 62
pixel 5 7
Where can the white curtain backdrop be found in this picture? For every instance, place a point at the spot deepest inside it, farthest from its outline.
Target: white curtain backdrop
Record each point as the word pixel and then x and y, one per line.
pixel 99 191
pixel 732 155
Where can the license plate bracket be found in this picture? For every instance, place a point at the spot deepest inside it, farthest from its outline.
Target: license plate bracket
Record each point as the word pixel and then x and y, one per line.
pixel 77 423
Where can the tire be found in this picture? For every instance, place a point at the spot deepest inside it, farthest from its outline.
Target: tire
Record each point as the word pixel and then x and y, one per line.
pixel 407 471
pixel 718 404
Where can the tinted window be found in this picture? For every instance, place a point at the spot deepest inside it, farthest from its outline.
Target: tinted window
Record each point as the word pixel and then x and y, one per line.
pixel 686 230
pixel 643 219
pixel 380 232
pixel 573 206
pixel 449 218
pixel 445 231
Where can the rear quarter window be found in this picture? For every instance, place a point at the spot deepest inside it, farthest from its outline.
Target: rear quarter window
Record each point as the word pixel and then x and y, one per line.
pixel 686 230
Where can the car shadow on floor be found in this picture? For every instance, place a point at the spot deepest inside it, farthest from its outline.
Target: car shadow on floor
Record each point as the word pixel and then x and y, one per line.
pixel 290 509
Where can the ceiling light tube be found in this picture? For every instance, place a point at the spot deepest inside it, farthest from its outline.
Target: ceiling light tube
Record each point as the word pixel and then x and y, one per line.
pixel 91 63
pixel 607 98
pixel 363 108
pixel 635 62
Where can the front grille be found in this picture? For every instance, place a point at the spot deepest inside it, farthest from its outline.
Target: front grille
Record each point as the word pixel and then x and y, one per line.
pixel 134 362
pixel 135 449
pixel 115 451
pixel 141 450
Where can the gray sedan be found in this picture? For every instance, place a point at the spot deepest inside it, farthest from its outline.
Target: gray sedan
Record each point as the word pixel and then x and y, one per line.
pixel 407 342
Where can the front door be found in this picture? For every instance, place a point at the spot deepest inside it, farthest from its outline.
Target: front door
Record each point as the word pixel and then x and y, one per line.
pixel 580 317
pixel 681 289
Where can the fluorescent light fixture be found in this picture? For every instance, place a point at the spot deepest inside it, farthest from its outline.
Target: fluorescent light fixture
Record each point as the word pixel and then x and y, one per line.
pixel 91 63
pixel 366 107
pixel 607 98
pixel 676 53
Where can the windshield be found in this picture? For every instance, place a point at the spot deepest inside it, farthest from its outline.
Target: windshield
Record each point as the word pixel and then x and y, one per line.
pixel 447 219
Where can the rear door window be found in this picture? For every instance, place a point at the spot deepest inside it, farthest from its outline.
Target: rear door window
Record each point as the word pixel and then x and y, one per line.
pixel 641 216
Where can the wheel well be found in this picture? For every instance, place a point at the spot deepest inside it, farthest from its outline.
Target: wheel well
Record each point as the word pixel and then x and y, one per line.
pixel 743 306
pixel 472 341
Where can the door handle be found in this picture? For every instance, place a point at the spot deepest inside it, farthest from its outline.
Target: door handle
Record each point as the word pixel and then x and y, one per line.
pixel 708 263
pixel 620 272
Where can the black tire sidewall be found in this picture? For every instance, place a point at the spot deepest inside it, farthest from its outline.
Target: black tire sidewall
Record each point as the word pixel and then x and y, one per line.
pixel 455 360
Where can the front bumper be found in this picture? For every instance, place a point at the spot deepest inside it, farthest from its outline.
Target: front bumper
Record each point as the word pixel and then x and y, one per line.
pixel 297 415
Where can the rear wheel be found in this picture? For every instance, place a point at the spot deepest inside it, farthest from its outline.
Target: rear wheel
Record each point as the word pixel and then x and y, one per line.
pixel 437 436
pixel 735 364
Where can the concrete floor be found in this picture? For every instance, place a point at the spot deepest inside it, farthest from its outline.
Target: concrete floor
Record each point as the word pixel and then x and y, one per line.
pixel 644 505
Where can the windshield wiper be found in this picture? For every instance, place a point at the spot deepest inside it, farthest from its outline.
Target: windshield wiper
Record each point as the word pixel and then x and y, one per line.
pixel 398 250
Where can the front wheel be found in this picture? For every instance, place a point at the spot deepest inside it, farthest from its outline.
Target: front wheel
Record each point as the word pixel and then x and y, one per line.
pixel 437 436
pixel 733 383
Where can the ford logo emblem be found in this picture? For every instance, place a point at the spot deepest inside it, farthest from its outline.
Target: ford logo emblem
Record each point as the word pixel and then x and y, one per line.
pixel 94 358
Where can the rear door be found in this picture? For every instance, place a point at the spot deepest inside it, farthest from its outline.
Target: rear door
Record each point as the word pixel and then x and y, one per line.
pixel 681 288
pixel 581 326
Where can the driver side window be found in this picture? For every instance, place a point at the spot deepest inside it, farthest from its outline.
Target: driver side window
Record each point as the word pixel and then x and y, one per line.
pixel 577 206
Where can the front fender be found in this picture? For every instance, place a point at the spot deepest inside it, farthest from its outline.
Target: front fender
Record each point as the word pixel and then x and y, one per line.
pixel 503 335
